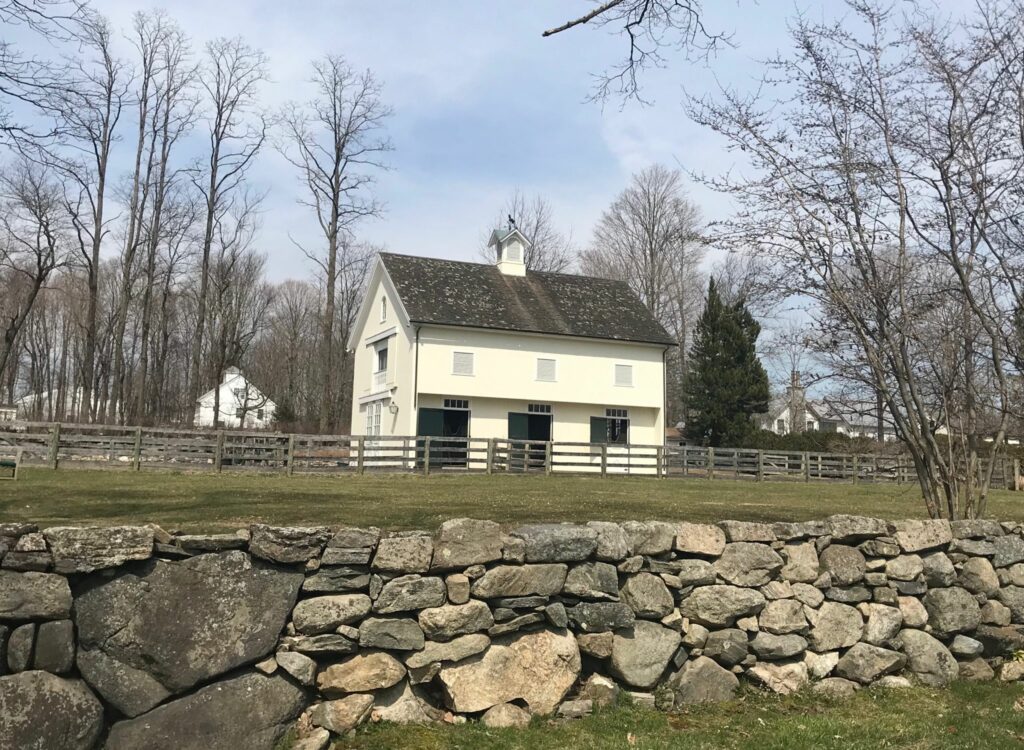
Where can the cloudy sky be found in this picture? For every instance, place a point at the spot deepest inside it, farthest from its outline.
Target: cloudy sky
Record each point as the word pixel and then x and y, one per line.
pixel 483 105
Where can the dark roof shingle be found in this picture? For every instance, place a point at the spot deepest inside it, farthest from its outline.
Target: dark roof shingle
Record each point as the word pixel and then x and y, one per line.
pixel 456 293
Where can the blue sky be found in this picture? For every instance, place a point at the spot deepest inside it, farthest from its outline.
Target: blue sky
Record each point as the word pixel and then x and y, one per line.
pixel 482 105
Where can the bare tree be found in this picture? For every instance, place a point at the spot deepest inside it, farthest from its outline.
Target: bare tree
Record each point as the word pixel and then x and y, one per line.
pixel 550 250
pixel 231 79
pixel 889 153
pixel 651 26
pixel 335 141
pixel 33 245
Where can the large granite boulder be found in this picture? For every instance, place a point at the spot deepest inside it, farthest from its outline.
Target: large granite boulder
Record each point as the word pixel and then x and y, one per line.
pixel 252 711
pixel 928 659
pixel 802 564
pixel 649 537
pixel 702 681
pixel 640 654
pixel 1009 549
pixel 34 596
pixel 462 542
pixel 404 553
pixel 600 617
pixel 952 610
pixel 845 528
pixel 846 565
pixel 834 626
pixel 408 593
pixel 538 668
pixel 287 544
pixel 557 542
pixel 362 673
pixel 748 563
pixel 700 539
pixel 520 580
pixel 719 606
pixel 40 711
pixel 915 535
pixel 783 616
pixel 83 550
pixel 612 542
pixel 593 580
pixel 865 663
pixel 323 614
pixel 176 624
pixel 979 577
pixel 648 596
pixel 452 620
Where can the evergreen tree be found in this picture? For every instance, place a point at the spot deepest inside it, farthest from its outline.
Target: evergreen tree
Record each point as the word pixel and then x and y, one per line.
pixel 727 383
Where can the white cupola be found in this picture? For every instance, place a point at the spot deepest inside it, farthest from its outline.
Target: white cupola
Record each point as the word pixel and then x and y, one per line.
pixel 511 248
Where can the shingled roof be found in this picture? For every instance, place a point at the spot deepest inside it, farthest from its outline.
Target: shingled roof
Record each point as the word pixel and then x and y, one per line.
pixel 476 295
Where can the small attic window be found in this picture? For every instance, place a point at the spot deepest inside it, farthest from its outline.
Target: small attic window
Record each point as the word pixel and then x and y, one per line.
pixel 383 309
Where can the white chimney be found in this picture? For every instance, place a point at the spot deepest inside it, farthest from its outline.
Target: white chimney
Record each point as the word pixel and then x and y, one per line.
pixel 511 248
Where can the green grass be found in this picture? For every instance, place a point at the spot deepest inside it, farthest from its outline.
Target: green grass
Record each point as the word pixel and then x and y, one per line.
pixel 195 501
pixel 964 716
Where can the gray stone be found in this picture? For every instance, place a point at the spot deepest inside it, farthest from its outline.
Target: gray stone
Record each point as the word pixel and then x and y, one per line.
pixel 747 531
pixel 820 666
pixel 695 635
pixel 928 659
pixel 773 647
pixel 19 647
pixel 834 626
pixel 802 563
pixel 362 673
pixel 783 616
pixel 845 528
pixel 452 620
pixel 209 718
pixel 787 531
pixel 342 715
pixel 728 647
pixel 287 544
pixel 1009 549
pixel 964 646
pixel 83 550
pixel 702 539
pixel 952 610
pixel 322 614
pixel 346 556
pixel 557 615
pixel 702 681
pixel 299 666
pixel 576 709
pixel 914 613
pixel 597 645
pixel 879 548
pixel 973 547
pixel 513 550
pixel 40 562
pixel 55 647
pixel 593 580
pixel 694 572
pixel 407 553
pixel 719 606
pixel 632 564
pixel 537 668
pixel 131 690
pixel 462 542
pixel 649 537
pixel 34 596
pixel 904 567
pixel 647 596
pixel 640 654
pixel 975 670
pixel 846 565
pixel 915 535
pixel 979 577
pixel 612 542
pixel 336 580
pixel 808 595
pixel 408 593
pixel 516 623
pixel 975 528
pixel 780 677
pixel 404 704
pixel 600 690
pixel 330 644
pixel 395 633
pixel 598 617
pixel 454 650
pixel 505 716
pixel 520 580
pixel 748 564
pixel 1012 597
pixel 557 542
pixel 883 624
pixel 39 711
pixel 835 688
pixel 353 537
pixel 212 542
pixel 457 587
pixel 865 663
pixel 127 617
pixel 1003 640
pixel 995 613
pixel 892 682
pixel 938 570
pixel 848 594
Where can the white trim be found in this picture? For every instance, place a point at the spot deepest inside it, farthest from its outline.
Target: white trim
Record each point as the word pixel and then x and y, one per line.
pixel 378 396
pixel 370 340
pixel 426 325
pixel 379 274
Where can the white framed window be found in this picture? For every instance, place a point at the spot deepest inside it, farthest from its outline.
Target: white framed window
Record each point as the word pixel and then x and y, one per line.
pixel 457 403
pixel 373 411
pixel 624 375
pixel 547 369
pixel 462 363
pixel 383 309
pixel 538 408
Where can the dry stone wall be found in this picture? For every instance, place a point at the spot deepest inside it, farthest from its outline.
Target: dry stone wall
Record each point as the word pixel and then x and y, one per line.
pixel 131 637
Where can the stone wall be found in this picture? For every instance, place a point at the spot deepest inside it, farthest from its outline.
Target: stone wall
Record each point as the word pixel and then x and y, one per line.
pixel 132 637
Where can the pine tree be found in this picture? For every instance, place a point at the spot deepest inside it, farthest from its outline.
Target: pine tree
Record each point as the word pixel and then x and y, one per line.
pixel 727 383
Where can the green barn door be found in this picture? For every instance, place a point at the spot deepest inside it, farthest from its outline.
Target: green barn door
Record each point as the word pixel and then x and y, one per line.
pixel 429 423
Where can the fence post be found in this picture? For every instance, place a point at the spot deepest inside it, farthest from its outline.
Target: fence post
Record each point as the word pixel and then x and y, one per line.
pixel 805 459
pixel 686 470
pixel 1016 473
pixel 760 466
pixel 856 467
pixel 361 445
pixel 426 456
pixel 291 454
pixel 659 457
pixel 490 455
pixel 604 459
pixel 54 445
pixel 711 463
pixel 137 452
pixel 547 457
pixel 218 453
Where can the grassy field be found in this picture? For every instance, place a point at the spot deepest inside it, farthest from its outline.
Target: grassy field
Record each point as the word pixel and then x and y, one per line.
pixel 226 501
pixel 965 716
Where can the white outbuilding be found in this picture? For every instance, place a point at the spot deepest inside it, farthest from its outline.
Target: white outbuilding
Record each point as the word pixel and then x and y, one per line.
pixel 242 405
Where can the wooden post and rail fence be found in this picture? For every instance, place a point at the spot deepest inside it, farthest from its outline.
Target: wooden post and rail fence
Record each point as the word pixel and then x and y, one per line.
pixel 58 445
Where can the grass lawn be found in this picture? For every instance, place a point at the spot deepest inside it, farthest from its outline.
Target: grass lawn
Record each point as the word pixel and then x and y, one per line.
pixel 206 501
pixel 965 716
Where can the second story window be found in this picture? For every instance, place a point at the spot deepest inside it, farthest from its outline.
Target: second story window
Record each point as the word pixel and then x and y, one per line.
pixel 546 369
pixel 383 309
pixel 382 359
pixel 462 363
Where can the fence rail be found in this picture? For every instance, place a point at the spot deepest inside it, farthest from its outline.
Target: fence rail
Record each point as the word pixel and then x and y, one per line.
pixel 136 448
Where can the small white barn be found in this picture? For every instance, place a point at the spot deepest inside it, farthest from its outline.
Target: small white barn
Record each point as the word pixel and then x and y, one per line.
pixel 242 405
pixel 8 412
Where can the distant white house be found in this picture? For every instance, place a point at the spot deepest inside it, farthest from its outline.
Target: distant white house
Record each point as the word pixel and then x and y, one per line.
pixel 241 404
pixel 8 412
pixel 54 405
